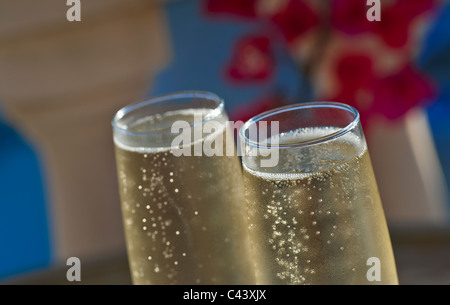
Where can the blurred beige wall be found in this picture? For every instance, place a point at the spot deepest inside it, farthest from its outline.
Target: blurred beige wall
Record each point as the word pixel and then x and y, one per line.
pixel 60 84
pixel 408 172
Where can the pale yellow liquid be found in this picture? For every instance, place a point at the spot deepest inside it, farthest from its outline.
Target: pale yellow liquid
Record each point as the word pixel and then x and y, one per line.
pixel 320 222
pixel 184 216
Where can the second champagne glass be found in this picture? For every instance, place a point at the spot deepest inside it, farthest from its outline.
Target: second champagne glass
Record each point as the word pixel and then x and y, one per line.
pixel 315 214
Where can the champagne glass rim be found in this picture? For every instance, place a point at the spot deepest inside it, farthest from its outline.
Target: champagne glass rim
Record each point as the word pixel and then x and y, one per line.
pixel 295 107
pixel 189 94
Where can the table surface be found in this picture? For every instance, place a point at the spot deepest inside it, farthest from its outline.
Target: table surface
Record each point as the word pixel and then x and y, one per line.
pixel 422 258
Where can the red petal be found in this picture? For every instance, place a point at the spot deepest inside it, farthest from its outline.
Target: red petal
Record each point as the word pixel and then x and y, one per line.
pixel 349 16
pixel 397 94
pixel 396 20
pixel 252 60
pixel 413 8
pixel 243 8
pixel 394 27
pixel 354 70
pixel 295 19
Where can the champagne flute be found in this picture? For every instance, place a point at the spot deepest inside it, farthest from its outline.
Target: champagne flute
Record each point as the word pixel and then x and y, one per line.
pixel 182 207
pixel 315 215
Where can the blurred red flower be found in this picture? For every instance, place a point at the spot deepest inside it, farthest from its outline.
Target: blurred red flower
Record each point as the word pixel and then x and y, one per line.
pixel 390 96
pixel 359 83
pixel 349 16
pixel 251 61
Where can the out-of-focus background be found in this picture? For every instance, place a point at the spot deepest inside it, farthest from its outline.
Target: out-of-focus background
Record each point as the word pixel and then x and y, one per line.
pixel 61 83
